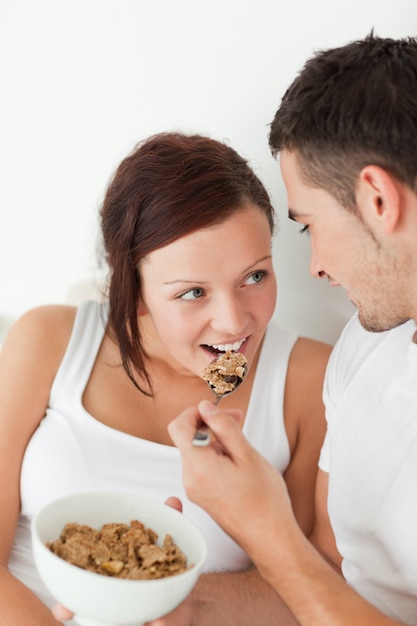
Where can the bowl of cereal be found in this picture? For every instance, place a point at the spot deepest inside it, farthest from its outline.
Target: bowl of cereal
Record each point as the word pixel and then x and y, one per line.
pixel 116 558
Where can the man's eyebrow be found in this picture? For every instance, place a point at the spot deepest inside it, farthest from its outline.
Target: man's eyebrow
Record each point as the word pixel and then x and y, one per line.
pixel 295 215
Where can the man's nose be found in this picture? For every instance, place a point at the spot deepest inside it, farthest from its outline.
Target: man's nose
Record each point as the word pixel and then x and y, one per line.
pixel 315 268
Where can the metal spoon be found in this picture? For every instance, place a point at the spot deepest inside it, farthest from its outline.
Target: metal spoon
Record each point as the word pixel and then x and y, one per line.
pixel 223 378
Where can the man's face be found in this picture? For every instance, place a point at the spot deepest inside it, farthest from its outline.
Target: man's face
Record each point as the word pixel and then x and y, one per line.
pixel 346 251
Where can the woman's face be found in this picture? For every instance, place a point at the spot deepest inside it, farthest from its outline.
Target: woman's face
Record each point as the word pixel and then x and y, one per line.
pixel 210 291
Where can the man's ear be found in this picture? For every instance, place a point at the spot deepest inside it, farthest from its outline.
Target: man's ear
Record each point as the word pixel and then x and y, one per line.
pixel 378 197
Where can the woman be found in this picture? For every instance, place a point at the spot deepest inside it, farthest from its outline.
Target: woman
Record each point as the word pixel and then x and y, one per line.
pixel 87 393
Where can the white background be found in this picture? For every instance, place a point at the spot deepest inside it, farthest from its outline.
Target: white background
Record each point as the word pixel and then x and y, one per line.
pixel 83 80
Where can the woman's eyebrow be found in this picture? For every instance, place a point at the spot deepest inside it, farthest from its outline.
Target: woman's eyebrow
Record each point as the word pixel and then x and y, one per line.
pixel 197 282
pixel 183 280
pixel 263 258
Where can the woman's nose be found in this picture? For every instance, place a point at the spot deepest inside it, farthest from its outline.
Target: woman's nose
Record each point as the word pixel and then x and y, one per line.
pixel 229 316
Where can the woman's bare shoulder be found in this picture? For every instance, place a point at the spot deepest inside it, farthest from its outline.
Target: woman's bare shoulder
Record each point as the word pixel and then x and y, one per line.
pixel 306 371
pixel 41 331
pixel 310 352
pixel 48 313
pixel 29 360
pixel 56 318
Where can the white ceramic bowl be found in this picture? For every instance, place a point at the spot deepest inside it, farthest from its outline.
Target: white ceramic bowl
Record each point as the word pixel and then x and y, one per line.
pixel 98 600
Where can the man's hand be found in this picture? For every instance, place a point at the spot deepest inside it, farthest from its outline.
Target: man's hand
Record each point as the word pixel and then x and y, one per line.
pixel 229 478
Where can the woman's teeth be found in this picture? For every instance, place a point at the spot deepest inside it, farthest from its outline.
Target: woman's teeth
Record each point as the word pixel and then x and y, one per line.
pixel 224 347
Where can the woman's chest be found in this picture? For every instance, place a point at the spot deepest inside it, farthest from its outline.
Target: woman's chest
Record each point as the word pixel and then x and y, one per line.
pixel 112 399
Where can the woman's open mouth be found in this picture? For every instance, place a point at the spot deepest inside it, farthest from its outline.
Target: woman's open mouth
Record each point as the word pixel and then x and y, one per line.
pixel 219 348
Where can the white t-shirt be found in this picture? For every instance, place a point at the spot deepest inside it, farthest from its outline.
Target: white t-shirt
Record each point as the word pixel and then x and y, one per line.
pixel 370 452
pixel 71 451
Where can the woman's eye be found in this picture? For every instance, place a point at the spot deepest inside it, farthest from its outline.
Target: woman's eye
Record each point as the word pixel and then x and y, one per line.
pixel 256 277
pixel 192 294
pixel 304 229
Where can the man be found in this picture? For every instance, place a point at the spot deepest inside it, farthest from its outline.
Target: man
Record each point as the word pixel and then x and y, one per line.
pixel 346 134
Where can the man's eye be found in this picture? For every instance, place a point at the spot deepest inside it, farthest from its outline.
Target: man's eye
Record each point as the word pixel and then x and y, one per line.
pixel 256 277
pixel 192 294
pixel 304 229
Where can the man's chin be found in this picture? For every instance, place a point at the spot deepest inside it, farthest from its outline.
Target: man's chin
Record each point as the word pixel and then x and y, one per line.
pixel 379 326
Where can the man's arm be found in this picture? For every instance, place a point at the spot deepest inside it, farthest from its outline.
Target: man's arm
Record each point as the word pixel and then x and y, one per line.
pixel 228 598
pixel 322 536
pixel 248 498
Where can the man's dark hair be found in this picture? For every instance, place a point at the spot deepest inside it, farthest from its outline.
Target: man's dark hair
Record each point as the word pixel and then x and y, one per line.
pixel 350 107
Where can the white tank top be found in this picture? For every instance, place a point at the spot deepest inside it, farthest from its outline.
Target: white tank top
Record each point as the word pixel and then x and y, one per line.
pixel 71 451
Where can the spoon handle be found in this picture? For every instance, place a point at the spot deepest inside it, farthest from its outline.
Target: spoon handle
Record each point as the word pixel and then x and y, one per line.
pixel 202 434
